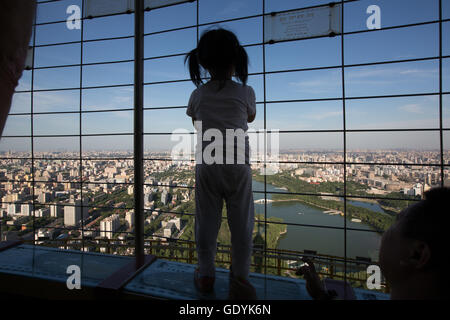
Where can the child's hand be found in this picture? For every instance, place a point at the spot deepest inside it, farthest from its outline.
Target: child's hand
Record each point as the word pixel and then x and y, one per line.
pixel 251 118
pixel 314 285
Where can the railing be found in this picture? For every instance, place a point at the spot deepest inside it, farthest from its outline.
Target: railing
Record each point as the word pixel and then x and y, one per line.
pixel 269 261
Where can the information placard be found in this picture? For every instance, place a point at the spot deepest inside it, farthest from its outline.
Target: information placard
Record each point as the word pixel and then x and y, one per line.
pixel 303 23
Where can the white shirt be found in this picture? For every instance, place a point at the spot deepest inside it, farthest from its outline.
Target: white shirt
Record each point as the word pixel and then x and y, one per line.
pixel 228 108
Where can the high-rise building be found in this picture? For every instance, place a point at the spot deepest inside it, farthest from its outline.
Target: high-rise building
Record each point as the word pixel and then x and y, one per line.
pixel 56 210
pixel 109 225
pixel 13 209
pixel 45 197
pixel 72 212
pixel 43 212
pixel 130 190
pixel 165 197
pixel 26 209
pixel 129 217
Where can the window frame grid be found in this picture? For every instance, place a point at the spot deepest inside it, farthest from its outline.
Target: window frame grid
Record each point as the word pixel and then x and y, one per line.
pixel 342 67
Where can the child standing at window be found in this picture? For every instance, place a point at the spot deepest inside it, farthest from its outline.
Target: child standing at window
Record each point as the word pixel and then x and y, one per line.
pixel 218 105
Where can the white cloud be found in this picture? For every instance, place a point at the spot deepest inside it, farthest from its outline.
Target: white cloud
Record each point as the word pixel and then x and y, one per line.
pixel 412 108
pixel 233 7
pixel 324 115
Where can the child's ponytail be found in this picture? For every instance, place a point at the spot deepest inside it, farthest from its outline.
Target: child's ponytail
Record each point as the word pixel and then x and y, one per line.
pixel 241 64
pixel 194 67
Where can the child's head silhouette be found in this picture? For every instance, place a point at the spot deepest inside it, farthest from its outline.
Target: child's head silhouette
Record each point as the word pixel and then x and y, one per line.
pixel 220 53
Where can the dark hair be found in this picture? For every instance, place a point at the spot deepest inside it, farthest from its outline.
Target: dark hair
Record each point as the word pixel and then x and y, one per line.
pixel 428 221
pixel 217 51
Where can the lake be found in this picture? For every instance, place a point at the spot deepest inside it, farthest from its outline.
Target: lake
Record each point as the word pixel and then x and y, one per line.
pixel 323 240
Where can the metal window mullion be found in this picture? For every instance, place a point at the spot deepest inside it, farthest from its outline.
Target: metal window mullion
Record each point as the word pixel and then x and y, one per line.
pixel 440 97
pixel 81 130
pixel 33 182
pixel 138 131
pixel 265 143
pixel 345 147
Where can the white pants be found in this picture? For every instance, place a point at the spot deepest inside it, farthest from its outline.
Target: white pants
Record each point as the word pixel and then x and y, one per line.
pixel 213 184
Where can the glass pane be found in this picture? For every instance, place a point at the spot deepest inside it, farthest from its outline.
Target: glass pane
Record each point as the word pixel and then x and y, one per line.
pixel 316 115
pixel 368 214
pixel 59 171
pixel 56 101
pixel 393 13
pixel 168 94
pixel 321 52
pixel 109 171
pixel 323 241
pixel 108 51
pixel 160 145
pixel 215 10
pixel 117 146
pixel 58 55
pixel 108 74
pixel 362 246
pixel 165 69
pixel 446 35
pixel 60 147
pixel 446 141
pixel 304 85
pixel 392 79
pixel 25 81
pixel 107 27
pixel 445 75
pixel 107 122
pixel 56 33
pixel 107 98
pixel 57 78
pixel 21 103
pixel 255 59
pixel 178 16
pixel 15 147
pixel 258 123
pixel 393 113
pixel 409 145
pixel 14 190
pixel 314 145
pixel 391 188
pixel 167 120
pixel 174 42
pixel 54 10
pixel 446 111
pixel 248 31
pixel 445 10
pixel 311 209
pixel 274 5
pixel 17 126
pixel 57 124
pixel 396 44
pixel 257 83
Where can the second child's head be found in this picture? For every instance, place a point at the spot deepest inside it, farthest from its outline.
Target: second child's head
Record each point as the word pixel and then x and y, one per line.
pixel 220 53
pixel 414 250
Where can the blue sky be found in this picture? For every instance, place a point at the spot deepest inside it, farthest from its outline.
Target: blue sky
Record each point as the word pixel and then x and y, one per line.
pixel 399 78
